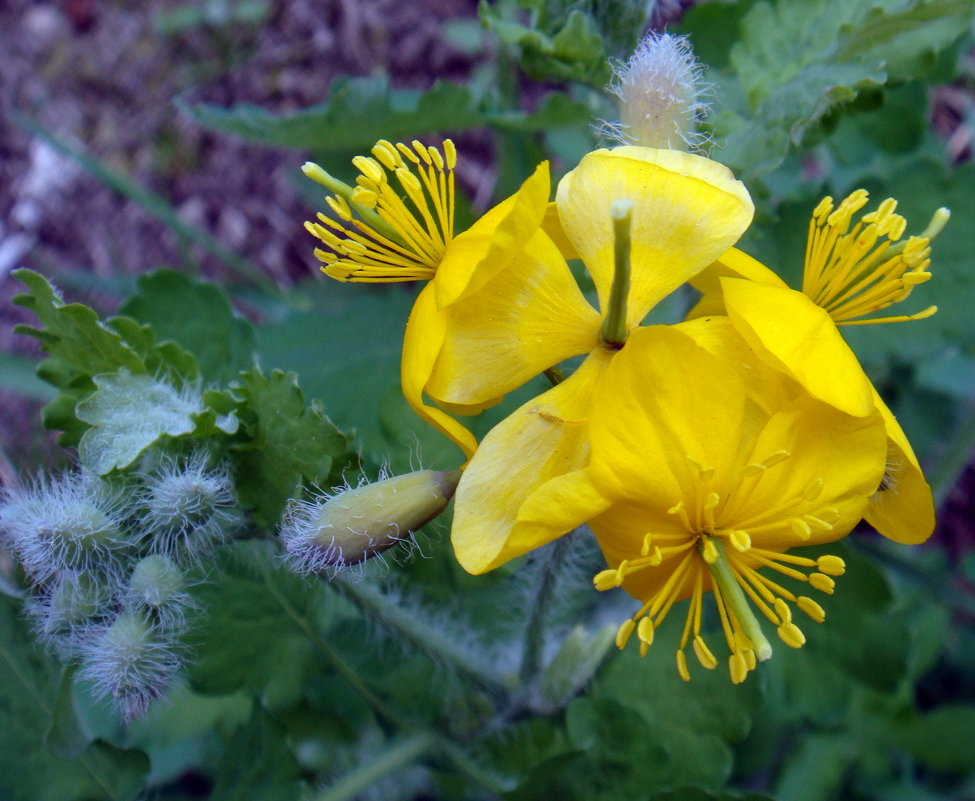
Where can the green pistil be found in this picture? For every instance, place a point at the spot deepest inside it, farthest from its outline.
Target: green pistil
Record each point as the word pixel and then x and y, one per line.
pixel 345 191
pixel 614 330
pixel 734 598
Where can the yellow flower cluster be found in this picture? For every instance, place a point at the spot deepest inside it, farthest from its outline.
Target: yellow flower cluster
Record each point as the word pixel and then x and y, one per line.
pixel 700 453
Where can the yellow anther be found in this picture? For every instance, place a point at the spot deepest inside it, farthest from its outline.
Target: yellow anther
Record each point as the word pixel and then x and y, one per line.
pixel 831 565
pixel 712 500
pixel 682 670
pixel 623 632
pixel 340 207
pixel 777 457
pixel 783 611
pixel 792 635
pixel 407 152
pixel 750 658
pixel 421 151
pixel 754 469
pixel 409 181
pixel 387 155
pixel 737 667
pixel 740 540
pixel 709 552
pixel 656 556
pixel 365 197
pixel 813 489
pixel 645 547
pixel 370 168
pixel 800 528
pixel 435 156
pixel 621 571
pixel 811 608
pixel 703 654
pixel 450 152
pixel 644 630
pixel 822 582
pixel 824 208
pixel 605 580
pixel 742 643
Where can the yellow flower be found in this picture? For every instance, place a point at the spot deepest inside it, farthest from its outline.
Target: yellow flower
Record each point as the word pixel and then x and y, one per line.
pixel 686 211
pixel 379 232
pixel 853 267
pixel 707 466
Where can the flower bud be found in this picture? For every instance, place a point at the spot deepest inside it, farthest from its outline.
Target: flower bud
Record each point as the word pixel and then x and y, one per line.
pixel 70 523
pixel 187 508
pixel 157 587
pixel 357 524
pixel 130 661
pixel 659 91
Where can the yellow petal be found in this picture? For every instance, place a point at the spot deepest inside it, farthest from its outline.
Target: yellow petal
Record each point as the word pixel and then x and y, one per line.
pixel 544 439
pixel 552 225
pixel 666 410
pixel 903 509
pixel 487 247
pixel 800 339
pixel 527 318
pixel 687 211
pixel 424 336
pixel 819 446
pixel 732 264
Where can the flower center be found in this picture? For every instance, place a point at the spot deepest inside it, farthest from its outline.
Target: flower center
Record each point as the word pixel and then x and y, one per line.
pixel 712 554
pixel 380 234
pixel 855 268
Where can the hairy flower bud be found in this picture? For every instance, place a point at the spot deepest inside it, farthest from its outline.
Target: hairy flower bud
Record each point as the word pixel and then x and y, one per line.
pixel 130 661
pixel 332 532
pixel 71 602
pixel 157 587
pixel 659 91
pixel 70 523
pixel 188 508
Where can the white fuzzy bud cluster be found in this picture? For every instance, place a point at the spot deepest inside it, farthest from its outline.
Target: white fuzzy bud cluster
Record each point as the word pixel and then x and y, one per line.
pixel 330 533
pixel 105 567
pixel 660 94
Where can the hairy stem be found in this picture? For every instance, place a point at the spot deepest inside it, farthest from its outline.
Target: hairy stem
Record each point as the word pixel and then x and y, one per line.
pixel 551 560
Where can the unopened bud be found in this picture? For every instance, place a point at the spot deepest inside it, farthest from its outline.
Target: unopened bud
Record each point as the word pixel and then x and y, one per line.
pixel 357 524
pixel 157 586
pixel 131 662
pixel 659 91
pixel 74 600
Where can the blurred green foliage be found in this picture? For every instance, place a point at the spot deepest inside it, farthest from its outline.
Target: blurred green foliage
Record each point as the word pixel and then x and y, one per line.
pixel 411 684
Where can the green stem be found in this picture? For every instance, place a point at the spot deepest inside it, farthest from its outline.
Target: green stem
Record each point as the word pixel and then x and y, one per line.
pixel 398 756
pixel 551 561
pixel 471 769
pixel 331 655
pixel 614 328
pixel 734 598
pixel 409 627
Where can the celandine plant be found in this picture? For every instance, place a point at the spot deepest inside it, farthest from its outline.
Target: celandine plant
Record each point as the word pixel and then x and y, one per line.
pixel 632 433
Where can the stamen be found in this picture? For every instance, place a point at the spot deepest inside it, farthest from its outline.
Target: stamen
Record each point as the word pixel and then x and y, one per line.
pixel 623 632
pixel 811 608
pixel 822 582
pixel 852 272
pixel 703 654
pixel 381 238
pixel 792 635
pixel 685 674
pixel 831 565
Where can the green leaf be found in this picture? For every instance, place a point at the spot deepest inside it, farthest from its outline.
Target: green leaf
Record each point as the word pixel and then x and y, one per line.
pixel 128 413
pixel 346 347
pixel 800 61
pixel 257 764
pixel 247 640
pixel 942 739
pixel 199 317
pixel 72 332
pixel 575 52
pixel 290 443
pixel 697 794
pixel 815 770
pixel 165 358
pixel 65 738
pixel 28 771
pixel 358 113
